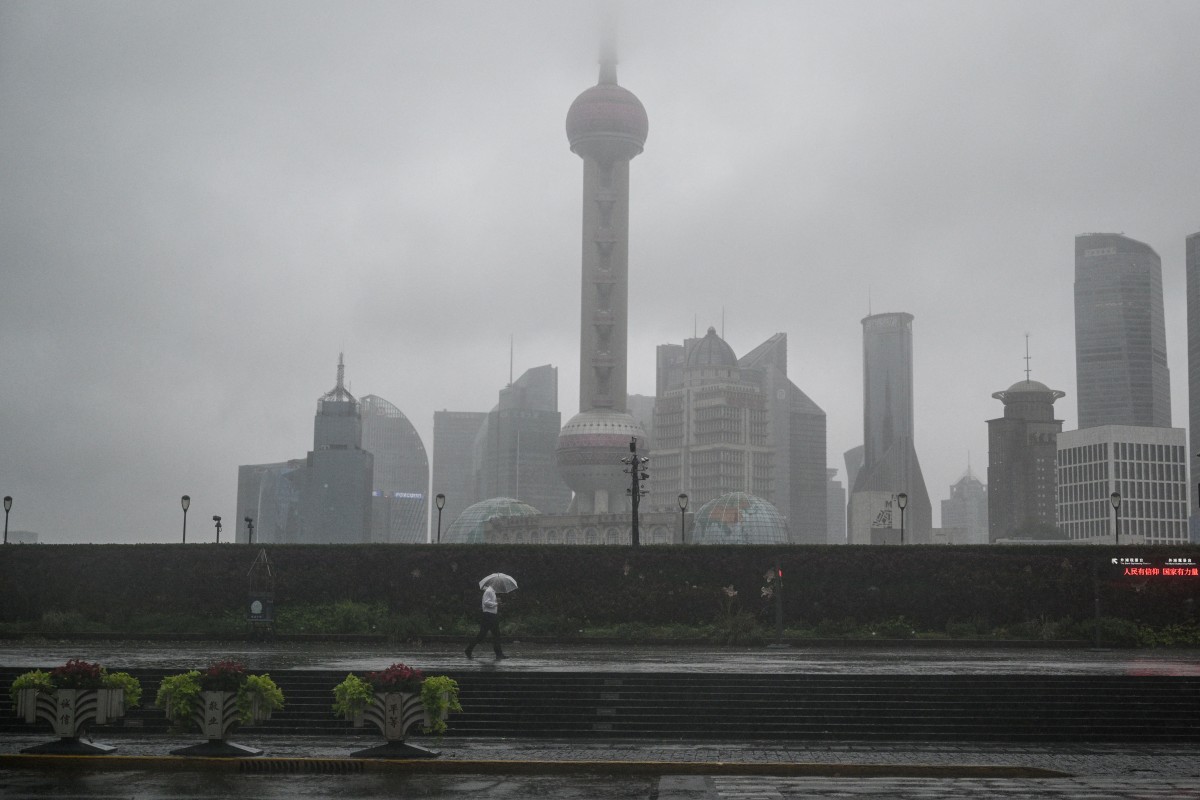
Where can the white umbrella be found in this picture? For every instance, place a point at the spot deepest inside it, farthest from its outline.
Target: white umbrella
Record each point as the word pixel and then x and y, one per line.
pixel 499 581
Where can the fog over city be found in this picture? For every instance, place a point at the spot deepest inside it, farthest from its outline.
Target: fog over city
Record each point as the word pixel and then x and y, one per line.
pixel 203 204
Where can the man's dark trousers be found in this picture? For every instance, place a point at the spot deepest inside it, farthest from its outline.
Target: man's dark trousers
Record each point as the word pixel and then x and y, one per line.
pixel 488 622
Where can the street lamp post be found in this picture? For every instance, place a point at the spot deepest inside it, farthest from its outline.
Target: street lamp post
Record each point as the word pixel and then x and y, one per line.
pixel 7 508
pixel 636 466
pixel 217 522
pixel 186 502
pixel 902 501
pixel 683 501
pixel 440 502
pixel 249 528
pixel 1115 499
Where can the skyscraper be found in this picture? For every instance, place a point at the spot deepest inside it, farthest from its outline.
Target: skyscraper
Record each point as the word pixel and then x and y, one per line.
pixel 400 490
pixel 516 445
pixel 323 498
pixel 835 508
pixel 606 127
pixel 1193 338
pixel 335 505
pixel 724 424
pixel 967 509
pixel 1022 481
pixel 1120 336
pixel 454 434
pixel 890 465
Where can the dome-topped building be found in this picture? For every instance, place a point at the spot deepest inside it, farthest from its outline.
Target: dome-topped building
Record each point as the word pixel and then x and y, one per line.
pixel 739 518
pixel 606 127
pixel 711 357
pixel 469 527
pixel 1022 453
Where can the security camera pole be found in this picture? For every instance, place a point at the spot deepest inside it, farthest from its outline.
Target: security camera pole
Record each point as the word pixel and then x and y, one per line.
pixel 636 465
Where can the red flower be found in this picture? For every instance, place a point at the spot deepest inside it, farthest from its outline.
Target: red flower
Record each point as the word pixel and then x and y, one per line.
pixel 77 674
pixel 223 676
pixel 396 678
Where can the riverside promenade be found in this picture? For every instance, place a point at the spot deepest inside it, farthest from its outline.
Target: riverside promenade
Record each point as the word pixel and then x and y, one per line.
pixel 299 766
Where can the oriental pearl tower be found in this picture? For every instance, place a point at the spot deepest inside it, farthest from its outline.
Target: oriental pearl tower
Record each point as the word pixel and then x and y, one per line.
pixel 606 127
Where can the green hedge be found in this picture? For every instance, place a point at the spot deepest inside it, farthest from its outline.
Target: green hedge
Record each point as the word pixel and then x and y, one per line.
pixel 927 586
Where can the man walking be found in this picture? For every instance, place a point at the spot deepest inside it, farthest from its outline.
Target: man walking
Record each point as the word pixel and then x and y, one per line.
pixel 489 620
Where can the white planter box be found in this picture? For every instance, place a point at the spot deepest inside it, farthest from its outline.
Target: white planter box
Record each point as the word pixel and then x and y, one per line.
pixel 393 713
pixel 70 710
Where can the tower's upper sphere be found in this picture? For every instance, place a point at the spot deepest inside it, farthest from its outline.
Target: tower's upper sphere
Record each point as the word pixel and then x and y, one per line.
pixel 607 118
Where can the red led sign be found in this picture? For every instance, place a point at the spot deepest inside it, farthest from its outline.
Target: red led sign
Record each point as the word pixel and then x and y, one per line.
pixel 1141 567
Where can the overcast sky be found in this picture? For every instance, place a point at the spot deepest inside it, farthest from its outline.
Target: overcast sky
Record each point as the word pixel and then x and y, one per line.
pixel 203 203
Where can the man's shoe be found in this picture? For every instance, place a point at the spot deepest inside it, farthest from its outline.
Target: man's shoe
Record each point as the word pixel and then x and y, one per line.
pixel 500 656
pixel 467 653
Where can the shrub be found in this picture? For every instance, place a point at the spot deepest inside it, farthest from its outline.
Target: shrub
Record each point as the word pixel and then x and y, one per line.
pixel 408 627
pixel 79 674
pixel 260 690
pixel 837 629
pixel 352 696
pixel 439 695
pixel 1170 636
pixel 1119 632
pixel 36 679
pixel 898 628
pixel 57 623
pixel 126 683
pixel 179 694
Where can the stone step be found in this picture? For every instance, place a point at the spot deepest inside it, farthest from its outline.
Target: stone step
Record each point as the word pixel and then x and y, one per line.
pixel 683 705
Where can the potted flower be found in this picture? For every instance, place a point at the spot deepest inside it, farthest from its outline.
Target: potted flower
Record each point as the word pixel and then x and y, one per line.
pixel 215 701
pixel 393 700
pixel 70 698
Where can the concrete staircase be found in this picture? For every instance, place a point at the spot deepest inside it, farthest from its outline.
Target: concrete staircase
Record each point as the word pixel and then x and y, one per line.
pixel 978 708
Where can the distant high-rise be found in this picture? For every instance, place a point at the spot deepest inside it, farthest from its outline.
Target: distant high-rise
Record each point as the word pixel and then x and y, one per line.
pixel 515 449
pixel 335 506
pixel 1193 338
pixel 321 499
pixel 1021 462
pixel 724 424
pixel 269 494
pixel 606 127
pixel 454 435
pixel 890 464
pixel 1120 336
pixel 1147 466
pixel 399 495
pixel 967 509
pixel 835 509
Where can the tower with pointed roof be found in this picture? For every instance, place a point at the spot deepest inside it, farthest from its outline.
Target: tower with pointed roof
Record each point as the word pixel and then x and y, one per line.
pixel 336 499
pixel 606 127
pixel 967 509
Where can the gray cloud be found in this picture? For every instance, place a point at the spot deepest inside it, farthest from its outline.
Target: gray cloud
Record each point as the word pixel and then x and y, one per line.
pixel 203 203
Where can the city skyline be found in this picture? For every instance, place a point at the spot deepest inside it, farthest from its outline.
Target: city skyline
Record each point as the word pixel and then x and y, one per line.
pixel 205 204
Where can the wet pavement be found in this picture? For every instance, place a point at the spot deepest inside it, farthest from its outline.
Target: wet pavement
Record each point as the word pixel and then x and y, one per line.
pixel 817 659
pixel 618 769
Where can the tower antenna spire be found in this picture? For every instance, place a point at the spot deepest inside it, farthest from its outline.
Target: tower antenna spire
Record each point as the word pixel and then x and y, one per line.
pixel 608 46
pixel 1027 356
